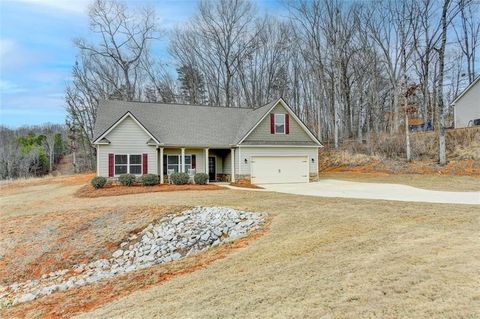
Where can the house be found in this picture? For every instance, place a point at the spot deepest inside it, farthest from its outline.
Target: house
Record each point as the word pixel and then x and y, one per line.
pixel 268 144
pixel 466 107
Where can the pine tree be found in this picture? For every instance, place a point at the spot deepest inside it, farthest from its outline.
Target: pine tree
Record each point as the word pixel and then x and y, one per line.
pixel 192 85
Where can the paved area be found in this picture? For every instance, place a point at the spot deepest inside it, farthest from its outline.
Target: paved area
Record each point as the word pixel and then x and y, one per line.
pixel 398 192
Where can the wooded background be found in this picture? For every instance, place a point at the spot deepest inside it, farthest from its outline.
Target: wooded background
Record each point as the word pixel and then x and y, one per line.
pixel 349 69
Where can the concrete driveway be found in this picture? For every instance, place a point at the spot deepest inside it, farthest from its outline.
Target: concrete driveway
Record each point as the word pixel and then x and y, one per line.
pixel 398 192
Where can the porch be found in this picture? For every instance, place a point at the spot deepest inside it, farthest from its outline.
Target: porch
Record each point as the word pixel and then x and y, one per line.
pixel 217 163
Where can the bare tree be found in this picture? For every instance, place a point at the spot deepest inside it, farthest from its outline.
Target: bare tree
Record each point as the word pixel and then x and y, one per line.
pixel 124 38
pixel 441 66
pixel 468 36
pixel 117 65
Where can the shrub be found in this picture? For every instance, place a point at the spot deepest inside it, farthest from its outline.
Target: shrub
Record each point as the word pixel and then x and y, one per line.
pixel 200 178
pixel 127 179
pixel 180 178
pixel 149 179
pixel 98 182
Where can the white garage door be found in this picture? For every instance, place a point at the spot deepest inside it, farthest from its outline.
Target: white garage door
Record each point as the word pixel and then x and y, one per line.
pixel 279 169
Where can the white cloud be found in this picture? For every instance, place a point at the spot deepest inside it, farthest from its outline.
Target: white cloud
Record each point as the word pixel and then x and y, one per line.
pixel 72 6
pixel 14 56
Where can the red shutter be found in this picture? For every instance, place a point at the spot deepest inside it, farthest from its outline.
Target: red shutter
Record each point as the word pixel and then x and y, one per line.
pixel 272 123
pixel 287 124
pixel 111 165
pixel 145 163
pixel 194 162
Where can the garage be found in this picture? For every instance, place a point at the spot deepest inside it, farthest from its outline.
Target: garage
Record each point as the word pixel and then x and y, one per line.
pixel 279 169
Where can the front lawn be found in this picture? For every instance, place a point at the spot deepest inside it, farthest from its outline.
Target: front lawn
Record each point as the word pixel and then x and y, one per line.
pixel 321 257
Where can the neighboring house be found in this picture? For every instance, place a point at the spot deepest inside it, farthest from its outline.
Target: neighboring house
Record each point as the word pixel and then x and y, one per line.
pixel 269 144
pixel 466 107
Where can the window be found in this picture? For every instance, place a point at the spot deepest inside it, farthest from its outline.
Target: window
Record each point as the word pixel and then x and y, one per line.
pixel 128 164
pixel 188 162
pixel 175 162
pixel 279 123
pixel 121 164
pixel 135 164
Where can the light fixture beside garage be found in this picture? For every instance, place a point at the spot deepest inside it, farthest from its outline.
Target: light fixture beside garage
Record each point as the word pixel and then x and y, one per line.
pixel 313 160
pixel 245 160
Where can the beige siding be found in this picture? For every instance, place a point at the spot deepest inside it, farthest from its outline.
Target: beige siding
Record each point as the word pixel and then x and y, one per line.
pixel 468 107
pixel 243 153
pixel 262 131
pixel 127 138
pixel 227 163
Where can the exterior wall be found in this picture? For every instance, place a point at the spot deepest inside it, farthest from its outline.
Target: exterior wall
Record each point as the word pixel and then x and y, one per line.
pixel 262 132
pixel 242 169
pixel 199 157
pixel 468 107
pixel 227 163
pixel 126 138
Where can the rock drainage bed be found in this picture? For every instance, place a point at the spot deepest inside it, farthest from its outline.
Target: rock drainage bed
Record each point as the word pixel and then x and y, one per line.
pixel 172 238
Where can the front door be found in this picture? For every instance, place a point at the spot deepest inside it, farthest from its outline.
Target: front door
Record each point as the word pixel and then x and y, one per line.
pixel 212 174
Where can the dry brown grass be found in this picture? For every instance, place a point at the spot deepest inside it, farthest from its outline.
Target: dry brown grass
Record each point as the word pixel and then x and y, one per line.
pixel 67 180
pixel 338 258
pixel 69 303
pixel 88 191
pixel 62 239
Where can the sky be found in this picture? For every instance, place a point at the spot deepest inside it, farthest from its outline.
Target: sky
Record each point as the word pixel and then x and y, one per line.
pixel 37 52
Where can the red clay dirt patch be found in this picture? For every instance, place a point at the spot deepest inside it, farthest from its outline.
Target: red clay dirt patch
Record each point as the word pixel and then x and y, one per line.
pixel 36 245
pixel 89 191
pixel 75 301
pixel 246 185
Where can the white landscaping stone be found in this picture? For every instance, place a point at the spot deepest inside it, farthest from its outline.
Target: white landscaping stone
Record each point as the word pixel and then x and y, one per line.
pixel 173 238
pixel 117 254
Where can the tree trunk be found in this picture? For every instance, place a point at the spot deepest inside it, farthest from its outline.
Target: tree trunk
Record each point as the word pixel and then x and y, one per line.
pixel 441 60
pixel 407 138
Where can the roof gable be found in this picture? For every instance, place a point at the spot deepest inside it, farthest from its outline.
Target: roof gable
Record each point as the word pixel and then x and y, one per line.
pixel 281 103
pixel 127 115
pixel 464 92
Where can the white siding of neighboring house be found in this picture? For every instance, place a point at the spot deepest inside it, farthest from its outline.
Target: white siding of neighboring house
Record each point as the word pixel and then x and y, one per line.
pixel 467 108
pixel 243 153
pixel 127 138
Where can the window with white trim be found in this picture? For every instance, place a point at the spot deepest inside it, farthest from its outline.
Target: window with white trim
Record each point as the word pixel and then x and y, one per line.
pixel 135 164
pixel 175 162
pixel 279 123
pixel 128 164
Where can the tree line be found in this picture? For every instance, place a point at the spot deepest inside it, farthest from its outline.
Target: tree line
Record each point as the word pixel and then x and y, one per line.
pixel 31 150
pixel 349 69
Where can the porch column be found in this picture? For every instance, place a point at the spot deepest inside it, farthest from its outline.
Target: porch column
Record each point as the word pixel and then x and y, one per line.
pixel 232 153
pixel 183 160
pixel 206 162
pixel 161 165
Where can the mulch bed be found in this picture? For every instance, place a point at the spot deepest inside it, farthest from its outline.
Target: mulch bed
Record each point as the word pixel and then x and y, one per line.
pixel 89 191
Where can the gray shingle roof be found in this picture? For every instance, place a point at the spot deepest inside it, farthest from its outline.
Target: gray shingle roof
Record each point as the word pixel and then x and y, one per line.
pixel 183 125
